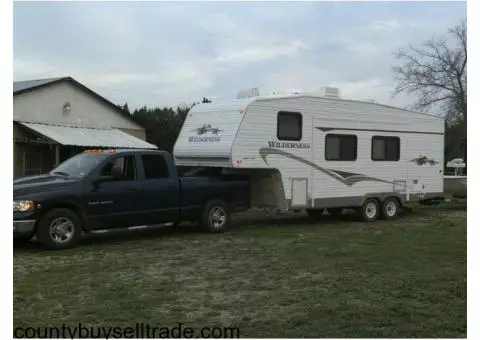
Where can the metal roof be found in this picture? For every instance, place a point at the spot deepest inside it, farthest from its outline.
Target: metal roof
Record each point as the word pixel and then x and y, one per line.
pixel 28 84
pixel 88 137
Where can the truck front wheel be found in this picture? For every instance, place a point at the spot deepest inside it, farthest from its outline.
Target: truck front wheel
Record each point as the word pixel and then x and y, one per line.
pixel 59 229
pixel 215 217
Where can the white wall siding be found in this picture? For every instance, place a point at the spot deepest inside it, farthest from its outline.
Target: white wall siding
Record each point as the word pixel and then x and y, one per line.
pixel 45 105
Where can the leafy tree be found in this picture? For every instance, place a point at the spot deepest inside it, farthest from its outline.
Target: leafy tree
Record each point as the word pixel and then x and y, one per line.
pixel 437 73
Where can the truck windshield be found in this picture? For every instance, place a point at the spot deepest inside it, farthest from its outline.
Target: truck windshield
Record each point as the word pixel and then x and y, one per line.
pixel 79 165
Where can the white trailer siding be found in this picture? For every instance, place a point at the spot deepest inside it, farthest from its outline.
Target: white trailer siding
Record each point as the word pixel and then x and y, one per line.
pixel 430 177
pixel 258 128
pixel 251 142
pixel 418 179
pixel 418 133
pixel 208 133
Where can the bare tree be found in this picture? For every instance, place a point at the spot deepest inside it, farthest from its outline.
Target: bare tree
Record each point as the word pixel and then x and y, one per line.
pixel 436 72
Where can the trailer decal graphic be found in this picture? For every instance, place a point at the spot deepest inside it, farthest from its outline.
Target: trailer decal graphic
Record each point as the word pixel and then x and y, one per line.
pixel 326 129
pixel 422 160
pixel 201 131
pixel 207 128
pixel 341 176
pixel 288 145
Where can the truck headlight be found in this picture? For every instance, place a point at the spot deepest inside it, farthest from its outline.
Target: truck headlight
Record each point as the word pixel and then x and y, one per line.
pixel 23 205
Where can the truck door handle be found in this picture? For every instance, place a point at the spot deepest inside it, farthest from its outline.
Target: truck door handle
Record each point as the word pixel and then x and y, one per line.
pixel 133 189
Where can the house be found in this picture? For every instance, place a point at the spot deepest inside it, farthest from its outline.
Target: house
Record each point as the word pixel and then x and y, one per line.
pixel 55 118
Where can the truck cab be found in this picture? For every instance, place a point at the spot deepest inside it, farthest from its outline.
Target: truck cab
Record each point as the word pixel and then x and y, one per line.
pixel 109 189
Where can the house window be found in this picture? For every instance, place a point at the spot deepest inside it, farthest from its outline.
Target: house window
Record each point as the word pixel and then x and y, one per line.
pixel 289 126
pixel 385 148
pixel 340 147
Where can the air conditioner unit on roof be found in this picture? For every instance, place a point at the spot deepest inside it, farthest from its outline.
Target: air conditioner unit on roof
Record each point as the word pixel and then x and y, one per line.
pixel 253 92
pixel 331 92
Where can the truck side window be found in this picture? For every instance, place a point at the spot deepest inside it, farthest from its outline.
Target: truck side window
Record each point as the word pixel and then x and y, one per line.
pixel 155 166
pixel 126 163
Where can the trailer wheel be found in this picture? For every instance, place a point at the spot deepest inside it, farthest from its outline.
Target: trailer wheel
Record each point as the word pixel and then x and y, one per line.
pixel 215 217
pixel 369 211
pixel 59 229
pixel 390 208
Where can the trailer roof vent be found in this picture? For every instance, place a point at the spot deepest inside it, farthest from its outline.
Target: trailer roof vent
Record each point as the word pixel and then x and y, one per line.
pixel 331 92
pixel 248 93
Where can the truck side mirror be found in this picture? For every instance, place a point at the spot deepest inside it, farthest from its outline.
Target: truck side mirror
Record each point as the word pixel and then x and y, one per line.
pixel 117 173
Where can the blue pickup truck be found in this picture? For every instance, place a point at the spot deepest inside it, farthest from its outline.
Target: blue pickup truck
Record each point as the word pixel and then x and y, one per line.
pixel 104 189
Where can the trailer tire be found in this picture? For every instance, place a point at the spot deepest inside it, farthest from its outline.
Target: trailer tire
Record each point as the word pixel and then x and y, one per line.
pixel 215 217
pixel 390 208
pixel 369 211
pixel 59 229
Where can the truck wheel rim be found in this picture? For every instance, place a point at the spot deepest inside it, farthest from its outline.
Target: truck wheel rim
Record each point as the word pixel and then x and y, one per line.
pixel 217 217
pixel 61 229
pixel 371 210
pixel 391 208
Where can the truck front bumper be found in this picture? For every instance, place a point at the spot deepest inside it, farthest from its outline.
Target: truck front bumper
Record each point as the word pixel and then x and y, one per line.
pixel 23 228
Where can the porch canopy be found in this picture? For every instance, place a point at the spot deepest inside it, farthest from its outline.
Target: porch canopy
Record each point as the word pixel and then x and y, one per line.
pixel 88 137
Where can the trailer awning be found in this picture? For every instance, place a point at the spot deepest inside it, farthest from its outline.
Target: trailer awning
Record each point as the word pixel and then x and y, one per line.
pixel 88 137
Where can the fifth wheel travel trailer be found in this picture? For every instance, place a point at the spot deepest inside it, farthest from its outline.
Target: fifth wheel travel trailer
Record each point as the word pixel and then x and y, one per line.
pixel 317 152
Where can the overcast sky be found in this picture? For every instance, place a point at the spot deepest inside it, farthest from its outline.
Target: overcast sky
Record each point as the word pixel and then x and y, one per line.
pixel 169 53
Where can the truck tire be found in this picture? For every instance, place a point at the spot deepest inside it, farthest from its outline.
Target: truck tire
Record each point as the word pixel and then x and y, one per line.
pixel 215 217
pixel 59 229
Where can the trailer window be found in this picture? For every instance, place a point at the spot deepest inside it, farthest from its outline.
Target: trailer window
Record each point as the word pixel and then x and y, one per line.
pixel 155 166
pixel 289 126
pixel 385 148
pixel 340 147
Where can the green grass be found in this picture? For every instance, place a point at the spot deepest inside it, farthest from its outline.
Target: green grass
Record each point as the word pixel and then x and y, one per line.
pixel 271 276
